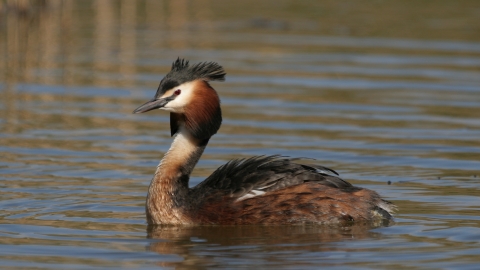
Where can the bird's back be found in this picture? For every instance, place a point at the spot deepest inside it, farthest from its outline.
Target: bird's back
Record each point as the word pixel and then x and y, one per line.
pixel 277 190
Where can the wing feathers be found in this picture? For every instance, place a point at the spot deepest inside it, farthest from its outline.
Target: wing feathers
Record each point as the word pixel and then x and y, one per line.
pixel 247 178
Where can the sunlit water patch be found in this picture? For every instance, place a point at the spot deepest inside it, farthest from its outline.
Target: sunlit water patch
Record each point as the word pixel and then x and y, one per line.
pixel 398 115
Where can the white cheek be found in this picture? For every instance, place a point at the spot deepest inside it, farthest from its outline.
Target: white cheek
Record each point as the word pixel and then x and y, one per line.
pixel 175 105
pixel 178 104
pixel 167 109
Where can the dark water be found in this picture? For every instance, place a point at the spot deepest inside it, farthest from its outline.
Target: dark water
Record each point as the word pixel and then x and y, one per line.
pixel 381 92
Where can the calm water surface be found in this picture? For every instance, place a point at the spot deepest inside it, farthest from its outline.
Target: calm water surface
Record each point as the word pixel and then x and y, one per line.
pixel 386 94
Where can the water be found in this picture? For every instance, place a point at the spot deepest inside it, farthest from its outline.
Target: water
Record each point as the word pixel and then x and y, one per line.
pixel 381 92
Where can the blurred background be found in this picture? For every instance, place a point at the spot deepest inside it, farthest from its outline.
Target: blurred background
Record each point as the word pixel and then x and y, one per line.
pixel 387 93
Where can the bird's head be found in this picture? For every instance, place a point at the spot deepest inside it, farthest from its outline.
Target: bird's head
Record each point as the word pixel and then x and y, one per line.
pixel 191 101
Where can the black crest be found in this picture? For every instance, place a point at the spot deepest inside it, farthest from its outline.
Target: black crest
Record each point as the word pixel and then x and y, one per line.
pixel 182 72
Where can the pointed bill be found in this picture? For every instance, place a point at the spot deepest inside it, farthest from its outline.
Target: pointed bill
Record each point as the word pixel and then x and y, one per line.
pixel 151 105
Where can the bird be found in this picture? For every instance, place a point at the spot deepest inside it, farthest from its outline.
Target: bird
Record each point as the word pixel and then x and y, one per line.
pixel 267 189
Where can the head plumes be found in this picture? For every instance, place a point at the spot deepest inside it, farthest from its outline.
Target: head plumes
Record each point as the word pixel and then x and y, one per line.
pixel 207 71
pixel 182 72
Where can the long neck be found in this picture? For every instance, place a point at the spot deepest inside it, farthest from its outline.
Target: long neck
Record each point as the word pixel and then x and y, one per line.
pixel 167 199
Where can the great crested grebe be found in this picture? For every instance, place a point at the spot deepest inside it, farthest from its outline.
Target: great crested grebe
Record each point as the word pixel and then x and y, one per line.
pixel 257 190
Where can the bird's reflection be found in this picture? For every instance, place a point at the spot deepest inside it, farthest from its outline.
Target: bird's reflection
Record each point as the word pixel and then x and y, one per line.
pixel 214 245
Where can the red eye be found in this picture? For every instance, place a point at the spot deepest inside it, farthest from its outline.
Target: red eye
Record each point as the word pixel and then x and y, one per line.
pixel 177 92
